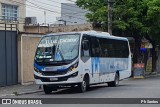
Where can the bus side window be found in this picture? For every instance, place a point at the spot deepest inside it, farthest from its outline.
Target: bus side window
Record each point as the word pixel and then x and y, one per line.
pixel 95 48
pixel 104 47
pixel 85 48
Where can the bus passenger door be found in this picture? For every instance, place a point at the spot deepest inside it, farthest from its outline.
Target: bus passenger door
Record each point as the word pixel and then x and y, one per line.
pixel 86 57
pixel 95 60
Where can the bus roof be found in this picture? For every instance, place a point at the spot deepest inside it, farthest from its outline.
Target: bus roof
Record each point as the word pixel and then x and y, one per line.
pixel 92 33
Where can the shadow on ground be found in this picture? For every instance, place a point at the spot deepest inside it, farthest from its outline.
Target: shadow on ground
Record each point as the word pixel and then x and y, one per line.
pixel 75 90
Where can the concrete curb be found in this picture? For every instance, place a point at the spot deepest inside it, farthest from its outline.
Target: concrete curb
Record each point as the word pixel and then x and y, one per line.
pixel 146 76
pixel 29 92
pixel 151 75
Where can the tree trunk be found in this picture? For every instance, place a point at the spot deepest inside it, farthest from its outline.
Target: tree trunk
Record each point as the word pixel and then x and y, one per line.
pixel 154 56
pixel 158 61
pixel 136 53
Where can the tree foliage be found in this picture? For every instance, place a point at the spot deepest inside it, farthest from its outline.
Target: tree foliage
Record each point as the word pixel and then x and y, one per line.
pixel 130 17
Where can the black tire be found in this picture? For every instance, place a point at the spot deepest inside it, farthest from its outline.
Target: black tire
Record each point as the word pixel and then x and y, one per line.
pixel 114 83
pixel 88 87
pixel 83 87
pixel 47 89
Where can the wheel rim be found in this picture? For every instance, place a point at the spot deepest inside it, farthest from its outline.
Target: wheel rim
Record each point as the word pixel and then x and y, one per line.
pixel 84 85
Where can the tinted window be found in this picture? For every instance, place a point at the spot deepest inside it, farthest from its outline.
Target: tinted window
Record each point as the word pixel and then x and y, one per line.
pixel 85 47
pixel 57 48
pixel 114 48
pixel 95 47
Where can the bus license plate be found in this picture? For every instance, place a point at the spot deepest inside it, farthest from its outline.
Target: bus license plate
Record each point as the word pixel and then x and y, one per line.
pixel 53 79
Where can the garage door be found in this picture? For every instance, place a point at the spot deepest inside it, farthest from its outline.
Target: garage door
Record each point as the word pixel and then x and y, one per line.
pixel 8 58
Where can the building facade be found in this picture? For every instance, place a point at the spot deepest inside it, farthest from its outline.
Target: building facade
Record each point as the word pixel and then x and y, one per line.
pixel 13 12
pixel 12 18
pixel 71 14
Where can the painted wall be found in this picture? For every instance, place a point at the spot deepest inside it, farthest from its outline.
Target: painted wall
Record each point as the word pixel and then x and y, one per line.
pixel 26 51
pixel 73 14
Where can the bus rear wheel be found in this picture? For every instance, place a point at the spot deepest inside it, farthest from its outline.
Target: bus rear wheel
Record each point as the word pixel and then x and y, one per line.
pixel 114 83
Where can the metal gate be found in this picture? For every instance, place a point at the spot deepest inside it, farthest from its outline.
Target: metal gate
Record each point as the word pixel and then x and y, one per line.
pixel 8 56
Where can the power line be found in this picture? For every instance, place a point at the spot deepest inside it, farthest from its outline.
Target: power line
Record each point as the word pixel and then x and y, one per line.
pixel 41 7
pixel 23 4
pixel 38 9
pixel 66 4
pixel 58 6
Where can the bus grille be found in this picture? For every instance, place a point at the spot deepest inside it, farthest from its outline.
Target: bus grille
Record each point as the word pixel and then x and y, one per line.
pixel 53 73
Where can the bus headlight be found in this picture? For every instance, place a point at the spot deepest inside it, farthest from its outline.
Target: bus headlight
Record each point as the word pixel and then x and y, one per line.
pixel 37 70
pixel 73 67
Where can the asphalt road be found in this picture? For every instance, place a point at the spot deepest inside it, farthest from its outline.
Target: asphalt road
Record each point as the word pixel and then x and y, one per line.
pixel 129 88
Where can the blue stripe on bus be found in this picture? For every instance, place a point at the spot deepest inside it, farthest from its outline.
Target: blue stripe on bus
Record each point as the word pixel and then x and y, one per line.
pixel 41 68
pixel 95 65
pixel 106 65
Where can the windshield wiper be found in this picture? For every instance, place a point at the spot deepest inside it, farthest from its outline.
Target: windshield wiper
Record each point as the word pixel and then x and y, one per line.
pixel 58 50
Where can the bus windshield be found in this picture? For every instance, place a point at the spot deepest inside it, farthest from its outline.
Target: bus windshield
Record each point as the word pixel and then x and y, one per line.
pixel 57 48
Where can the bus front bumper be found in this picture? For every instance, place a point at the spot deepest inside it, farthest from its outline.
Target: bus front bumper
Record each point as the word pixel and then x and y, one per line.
pixel 72 78
pixel 38 81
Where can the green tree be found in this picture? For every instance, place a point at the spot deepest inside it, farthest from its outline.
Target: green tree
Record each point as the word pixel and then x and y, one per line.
pixel 136 18
pixel 133 17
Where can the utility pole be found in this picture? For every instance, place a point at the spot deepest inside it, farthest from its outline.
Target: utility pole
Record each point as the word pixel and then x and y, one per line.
pixel 45 17
pixel 110 3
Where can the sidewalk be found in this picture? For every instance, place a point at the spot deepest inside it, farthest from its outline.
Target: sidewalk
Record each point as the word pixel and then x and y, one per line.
pixel 19 90
pixel 152 74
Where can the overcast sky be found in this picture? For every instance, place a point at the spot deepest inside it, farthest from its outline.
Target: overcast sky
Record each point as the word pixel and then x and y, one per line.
pixel 53 5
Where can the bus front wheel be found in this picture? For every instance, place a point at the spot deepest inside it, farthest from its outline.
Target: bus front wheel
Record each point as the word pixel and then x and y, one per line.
pixel 48 90
pixel 114 83
pixel 84 85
